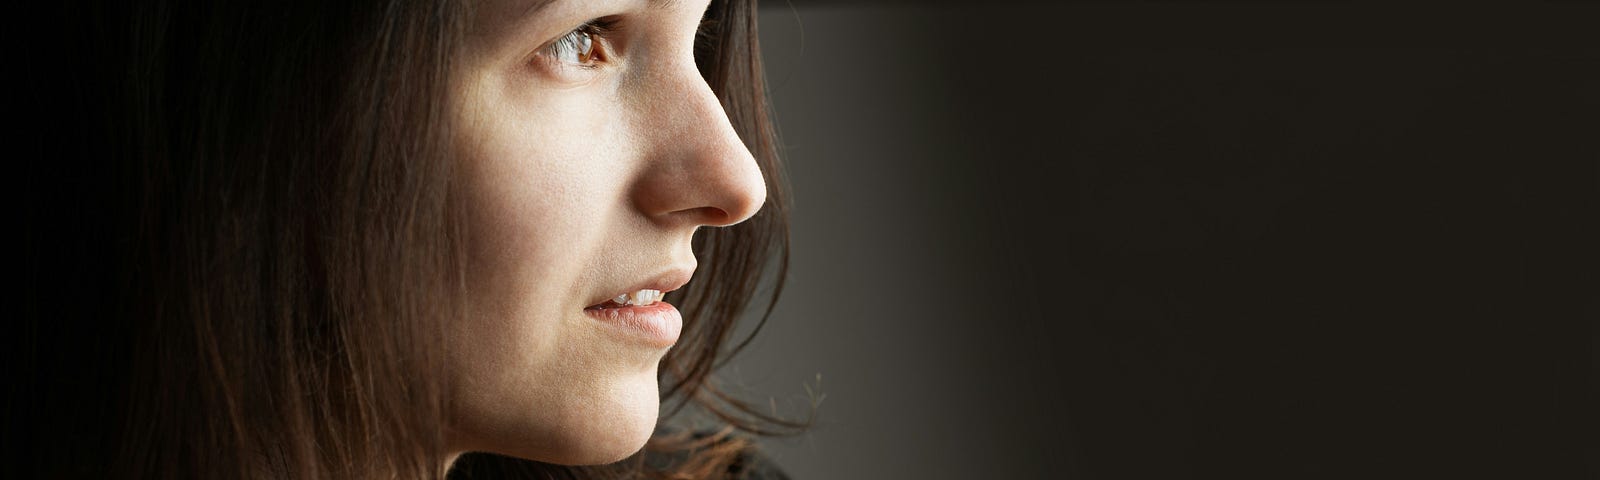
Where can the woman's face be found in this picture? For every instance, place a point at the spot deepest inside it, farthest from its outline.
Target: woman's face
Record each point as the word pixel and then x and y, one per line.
pixel 592 149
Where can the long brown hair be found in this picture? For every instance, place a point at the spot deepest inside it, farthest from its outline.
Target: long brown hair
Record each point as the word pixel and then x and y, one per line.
pixel 245 263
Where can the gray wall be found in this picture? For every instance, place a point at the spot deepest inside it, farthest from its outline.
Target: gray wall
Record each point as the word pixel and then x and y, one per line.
pixel 1092 242
pixel 894 280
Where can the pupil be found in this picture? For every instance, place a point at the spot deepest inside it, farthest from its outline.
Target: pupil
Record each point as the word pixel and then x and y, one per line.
pixel 585 47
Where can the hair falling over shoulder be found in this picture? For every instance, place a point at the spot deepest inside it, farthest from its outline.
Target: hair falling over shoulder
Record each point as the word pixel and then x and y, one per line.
pixel 243 243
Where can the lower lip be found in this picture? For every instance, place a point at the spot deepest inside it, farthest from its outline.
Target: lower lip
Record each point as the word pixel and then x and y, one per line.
pixel 657 325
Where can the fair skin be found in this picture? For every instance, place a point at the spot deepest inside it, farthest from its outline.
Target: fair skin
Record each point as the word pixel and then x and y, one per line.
pixel 588 173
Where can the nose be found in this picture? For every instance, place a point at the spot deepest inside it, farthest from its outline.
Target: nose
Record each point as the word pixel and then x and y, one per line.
pixel 699 171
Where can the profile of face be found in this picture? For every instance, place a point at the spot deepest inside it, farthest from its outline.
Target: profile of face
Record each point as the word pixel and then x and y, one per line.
pixel 591 150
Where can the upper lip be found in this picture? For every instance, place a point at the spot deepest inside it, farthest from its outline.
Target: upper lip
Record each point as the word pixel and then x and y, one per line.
pixel 665 281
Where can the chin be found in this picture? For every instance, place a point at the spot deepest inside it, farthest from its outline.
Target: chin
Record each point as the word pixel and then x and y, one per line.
pixel 586 426
pixel 627 422
pixel 621 441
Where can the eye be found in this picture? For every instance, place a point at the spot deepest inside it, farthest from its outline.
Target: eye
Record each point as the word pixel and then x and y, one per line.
pixel 581 47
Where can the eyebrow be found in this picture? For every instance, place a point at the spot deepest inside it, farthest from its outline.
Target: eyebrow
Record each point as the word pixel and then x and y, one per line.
pixel 534 6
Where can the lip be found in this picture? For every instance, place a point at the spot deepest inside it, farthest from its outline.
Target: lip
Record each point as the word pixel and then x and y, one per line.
pixel 666 282
pixel 656 325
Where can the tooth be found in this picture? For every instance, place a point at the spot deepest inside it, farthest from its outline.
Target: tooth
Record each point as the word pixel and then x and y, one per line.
pixel 645 296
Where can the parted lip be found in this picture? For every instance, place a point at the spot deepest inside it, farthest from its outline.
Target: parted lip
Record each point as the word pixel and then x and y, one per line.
pixel 665 281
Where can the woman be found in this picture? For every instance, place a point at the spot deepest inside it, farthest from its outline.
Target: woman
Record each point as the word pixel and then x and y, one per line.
pixel 309 240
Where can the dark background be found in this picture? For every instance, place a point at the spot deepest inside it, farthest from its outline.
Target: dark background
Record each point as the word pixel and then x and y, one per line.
pixel 1185 240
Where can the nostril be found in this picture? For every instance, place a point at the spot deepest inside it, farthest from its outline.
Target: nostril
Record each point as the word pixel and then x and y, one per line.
pixel 715 197
pixel 711 216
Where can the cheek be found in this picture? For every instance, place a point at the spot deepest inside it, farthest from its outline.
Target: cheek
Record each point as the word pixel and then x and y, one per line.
pixel 535 200
pixel 544 201
pixel 523 223
pixel 539 196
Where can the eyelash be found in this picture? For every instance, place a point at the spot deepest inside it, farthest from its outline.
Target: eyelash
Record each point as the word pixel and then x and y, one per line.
pixel 573 42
